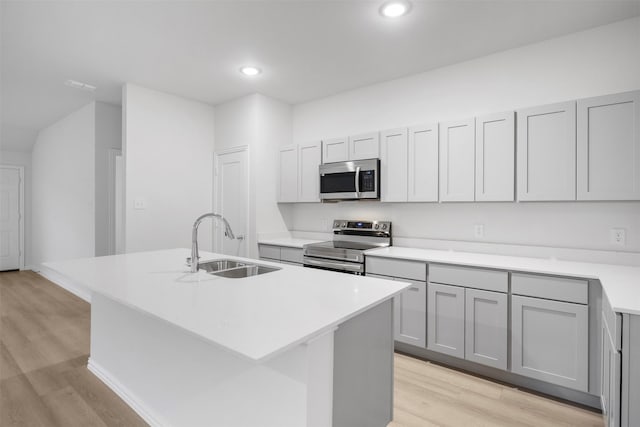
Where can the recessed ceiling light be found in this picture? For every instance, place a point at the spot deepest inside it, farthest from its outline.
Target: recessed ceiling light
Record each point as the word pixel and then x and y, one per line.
pixel 394 9
pixel 79 85
pixel 250 70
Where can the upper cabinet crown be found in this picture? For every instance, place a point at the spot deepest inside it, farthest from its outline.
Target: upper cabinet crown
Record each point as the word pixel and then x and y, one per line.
pixel 609 147
pixel 358 147
pixel 547 152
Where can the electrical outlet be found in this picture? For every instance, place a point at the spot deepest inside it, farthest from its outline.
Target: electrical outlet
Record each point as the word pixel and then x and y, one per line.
pixel 618 236
pixel 478 231
pixel 139 204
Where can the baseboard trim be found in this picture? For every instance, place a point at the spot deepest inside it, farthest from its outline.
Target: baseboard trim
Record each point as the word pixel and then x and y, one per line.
pixel 66 284
pixel 124 393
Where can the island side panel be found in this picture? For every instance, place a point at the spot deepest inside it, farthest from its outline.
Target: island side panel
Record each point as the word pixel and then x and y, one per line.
pixel 174 378
pixel 363 369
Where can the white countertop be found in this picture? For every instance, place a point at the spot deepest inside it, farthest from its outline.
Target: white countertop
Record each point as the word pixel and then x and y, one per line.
pixel 256 317
pixel 290 242
pixel 621 284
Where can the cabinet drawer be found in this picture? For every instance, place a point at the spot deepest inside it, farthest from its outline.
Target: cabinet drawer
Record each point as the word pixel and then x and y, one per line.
pixel 269 252
pixel 612 321
pixel 415 270
pixel 549 287
pixel 291 255
pixel 490 280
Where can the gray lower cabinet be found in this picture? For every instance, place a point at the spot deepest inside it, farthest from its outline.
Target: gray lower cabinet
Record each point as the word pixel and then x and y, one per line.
pixel 610 378
pixel 630 394
pixel 486 327
pixel 549 341
pixel 410 315
pixel 282 254
pixel 445 319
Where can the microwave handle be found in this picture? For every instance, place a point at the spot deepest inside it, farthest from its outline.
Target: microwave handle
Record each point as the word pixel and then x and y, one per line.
pixel 358 181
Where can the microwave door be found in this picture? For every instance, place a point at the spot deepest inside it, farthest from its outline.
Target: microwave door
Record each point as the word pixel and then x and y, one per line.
pixel 338 183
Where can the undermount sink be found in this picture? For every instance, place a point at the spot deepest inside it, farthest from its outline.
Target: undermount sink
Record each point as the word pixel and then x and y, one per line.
pixel 233 269
pixel 245 271
pixel 219 265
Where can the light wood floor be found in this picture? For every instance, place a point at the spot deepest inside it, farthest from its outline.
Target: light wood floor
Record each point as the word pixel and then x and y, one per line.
pixel 44 346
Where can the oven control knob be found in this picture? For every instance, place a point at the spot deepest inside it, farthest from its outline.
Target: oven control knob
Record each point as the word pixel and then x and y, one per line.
pixel 377 226
pixel 384 226
pixel 344 224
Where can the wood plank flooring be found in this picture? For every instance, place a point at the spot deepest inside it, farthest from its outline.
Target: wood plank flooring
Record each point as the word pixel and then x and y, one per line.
pixel 44 346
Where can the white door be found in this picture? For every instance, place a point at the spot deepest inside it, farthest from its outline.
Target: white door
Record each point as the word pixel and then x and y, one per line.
pixel 423 164
pixel 393 158
pixel 231 189
pixel 457 161
pixel 288 174
pixel 495 157
pixel 309 159
pixel 364 146
pixel 10 216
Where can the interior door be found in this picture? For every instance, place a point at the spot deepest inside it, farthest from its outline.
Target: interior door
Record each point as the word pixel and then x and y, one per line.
pixel 231 187
pixel 10 213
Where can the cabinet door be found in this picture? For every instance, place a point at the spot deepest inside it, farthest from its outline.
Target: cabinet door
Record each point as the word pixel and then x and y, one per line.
pixel 495 157
pixel 288 177
pixel 549 341
pixel 547 152
pixel 393 161
pixel 609 147
pixel 410 312
pixel 364 146
pixel 308 177
pixel 610 380
pixel 423 164
pixel 457 161
pixel 335 150
pixel 486 328
pixel 445 319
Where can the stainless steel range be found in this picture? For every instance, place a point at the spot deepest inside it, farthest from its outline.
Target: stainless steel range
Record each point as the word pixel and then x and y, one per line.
pixel 345 252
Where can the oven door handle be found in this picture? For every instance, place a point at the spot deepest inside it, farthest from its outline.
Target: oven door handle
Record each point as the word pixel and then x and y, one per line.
pixel 358 181
pixel 346 266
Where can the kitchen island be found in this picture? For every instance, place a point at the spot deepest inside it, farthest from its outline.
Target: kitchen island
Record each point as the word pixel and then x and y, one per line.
pixel 292 347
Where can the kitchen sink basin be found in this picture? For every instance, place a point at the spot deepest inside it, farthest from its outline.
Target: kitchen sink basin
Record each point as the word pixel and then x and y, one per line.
pixel 245 271
pixel 233 269
pixel 220 265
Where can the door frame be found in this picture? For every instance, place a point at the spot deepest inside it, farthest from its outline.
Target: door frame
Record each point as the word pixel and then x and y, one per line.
pixel 216 194
pixel 21 215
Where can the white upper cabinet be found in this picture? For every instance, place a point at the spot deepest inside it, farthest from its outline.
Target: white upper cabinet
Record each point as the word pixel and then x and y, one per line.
pixel 495 157
pixel 309 156
pixel 609 147
pixel 288 174
pixel 547 152
pixel 335 150
pixel 393 162
pixel 423 164
pixel 364 146
pixel 457 161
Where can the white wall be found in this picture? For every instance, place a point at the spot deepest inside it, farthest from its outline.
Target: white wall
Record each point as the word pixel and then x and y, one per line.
pixel 23 158
pixel 108 133
pixel 263 124
pixel 595 62
pixel 63 189
pixel 168 147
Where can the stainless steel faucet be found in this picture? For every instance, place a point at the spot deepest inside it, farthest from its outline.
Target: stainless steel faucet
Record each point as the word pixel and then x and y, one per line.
pixel 194 237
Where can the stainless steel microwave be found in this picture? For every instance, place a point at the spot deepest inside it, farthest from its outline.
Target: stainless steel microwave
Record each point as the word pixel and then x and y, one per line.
pixel 353 180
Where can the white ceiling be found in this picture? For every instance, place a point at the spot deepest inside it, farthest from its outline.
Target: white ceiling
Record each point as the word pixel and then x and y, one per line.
pixel 307 49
